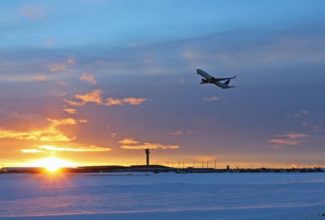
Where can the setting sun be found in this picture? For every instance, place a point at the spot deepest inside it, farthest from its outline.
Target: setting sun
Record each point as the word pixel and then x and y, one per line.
pixel 53 164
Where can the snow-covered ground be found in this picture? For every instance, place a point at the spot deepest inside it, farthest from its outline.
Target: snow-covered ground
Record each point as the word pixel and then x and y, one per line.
pixel 267 196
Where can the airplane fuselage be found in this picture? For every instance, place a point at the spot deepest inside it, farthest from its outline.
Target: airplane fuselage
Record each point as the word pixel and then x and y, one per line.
pixel 219 84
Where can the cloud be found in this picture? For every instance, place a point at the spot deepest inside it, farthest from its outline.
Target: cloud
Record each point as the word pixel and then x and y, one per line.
pixel 113 102
pixel 180 133
pixel 70 110
pixel 124 101
pixel 279 141
pixel 212 98
pixel 83 121
pixel 74 103
pixel 91 148
pixel 65 121
pixel 97 98
pixel 88 77
pixel 91 97
pixel 31 151
pixel 301 113
pixel 46 135
pixel 113 135
pixel 55 68
pixel 177 133
pixel 132 144
pixel 49 148
pixel 290 139
pixel 40 78
pixel 128 141
pixel 51 133
pixel 61 67
pixel 295 135
pixel 63 83
pixel 71 60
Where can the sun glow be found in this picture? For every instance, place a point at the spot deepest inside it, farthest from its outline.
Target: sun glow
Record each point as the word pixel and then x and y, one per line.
pixel 53 164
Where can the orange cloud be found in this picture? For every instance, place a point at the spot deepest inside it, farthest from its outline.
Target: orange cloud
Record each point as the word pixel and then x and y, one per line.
pixel 70 110
pixel 74 103
pixel 49 134
pixel 91 148
pixel 65 121
pixel 132 144
pixel 91 97
pixel 125 101
pixel 280 141
pixel 83 121
pixel 97 98
pixel 40 78
pixel 128 141
pixel 31 135
pixel 31 151
pixel 90 78
pixel 134 101
pixel 48 148
pixel 290 139
pixel 113 102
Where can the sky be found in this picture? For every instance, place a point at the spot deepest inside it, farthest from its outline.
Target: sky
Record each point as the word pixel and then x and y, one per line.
pixel 95 82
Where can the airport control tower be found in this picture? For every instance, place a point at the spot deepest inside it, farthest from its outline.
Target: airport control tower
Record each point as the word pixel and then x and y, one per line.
pixel 147 151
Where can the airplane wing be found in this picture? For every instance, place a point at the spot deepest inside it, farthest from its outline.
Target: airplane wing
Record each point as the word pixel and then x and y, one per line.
pixel 204 74
pixel 228 78
pixel 209 77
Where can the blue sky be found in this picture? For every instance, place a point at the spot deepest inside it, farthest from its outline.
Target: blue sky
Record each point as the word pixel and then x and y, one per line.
pixel 127 69
pixel 116 23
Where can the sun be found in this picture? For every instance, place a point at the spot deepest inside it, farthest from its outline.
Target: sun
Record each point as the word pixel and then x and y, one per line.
pixel 53 164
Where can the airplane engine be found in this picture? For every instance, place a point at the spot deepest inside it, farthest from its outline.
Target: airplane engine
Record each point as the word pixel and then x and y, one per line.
pixel 203 81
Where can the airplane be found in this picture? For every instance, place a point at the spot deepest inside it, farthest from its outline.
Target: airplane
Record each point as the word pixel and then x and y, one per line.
pixel 220 82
